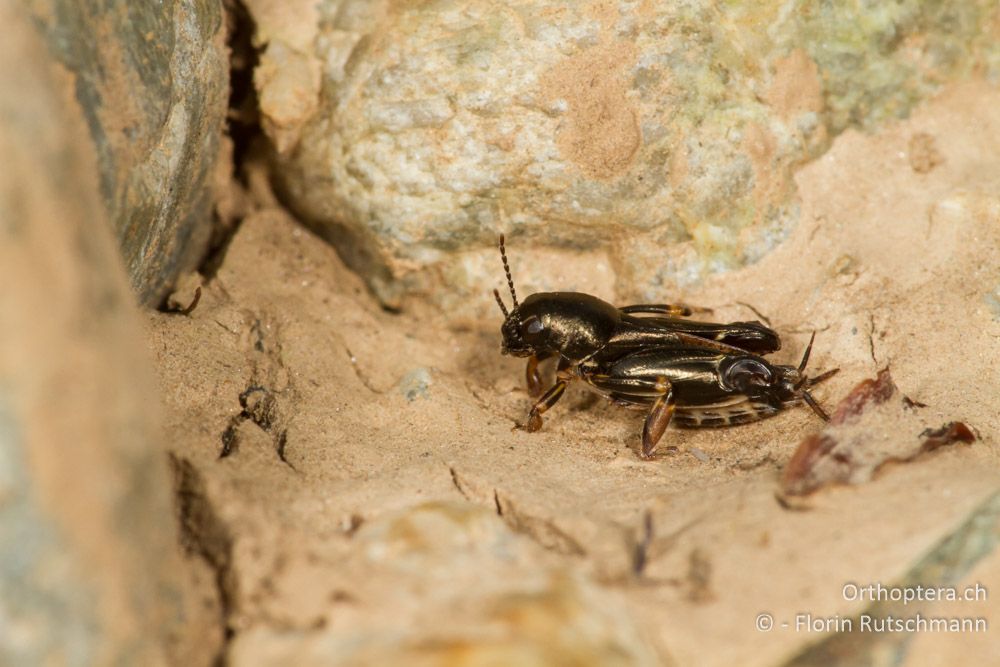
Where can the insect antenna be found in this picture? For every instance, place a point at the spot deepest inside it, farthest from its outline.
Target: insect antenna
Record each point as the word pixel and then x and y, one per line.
pixel 822 376
pixel 506 269
pixel 805 356
pixel 503 308
pixel 807 397
pixel 804 384
pixel 807 382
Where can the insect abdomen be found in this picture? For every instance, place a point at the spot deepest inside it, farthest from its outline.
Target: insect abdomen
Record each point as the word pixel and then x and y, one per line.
pixel 717 416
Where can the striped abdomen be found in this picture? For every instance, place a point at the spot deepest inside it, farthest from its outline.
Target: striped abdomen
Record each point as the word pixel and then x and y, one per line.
pixel 741 410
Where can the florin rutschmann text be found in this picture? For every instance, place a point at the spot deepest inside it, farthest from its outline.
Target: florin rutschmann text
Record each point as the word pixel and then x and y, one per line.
pixel 886 611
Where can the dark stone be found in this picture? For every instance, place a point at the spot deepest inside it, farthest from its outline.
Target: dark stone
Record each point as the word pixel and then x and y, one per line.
pixel 152 81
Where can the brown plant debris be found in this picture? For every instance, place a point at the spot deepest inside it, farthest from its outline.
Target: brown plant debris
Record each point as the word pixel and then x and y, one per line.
pixel 867 431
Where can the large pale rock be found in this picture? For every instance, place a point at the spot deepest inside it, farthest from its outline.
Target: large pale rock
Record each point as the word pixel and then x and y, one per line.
pixel 665 134
pixel 152 81
pixel 89 561
pixel 460 588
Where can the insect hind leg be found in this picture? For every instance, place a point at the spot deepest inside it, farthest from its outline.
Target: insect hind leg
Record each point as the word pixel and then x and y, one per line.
pixel 657 421
pixel 631 389
pixel 638 390
pixel 668 309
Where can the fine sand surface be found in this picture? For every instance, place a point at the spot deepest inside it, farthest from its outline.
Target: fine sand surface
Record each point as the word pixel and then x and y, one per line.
pixel 375 504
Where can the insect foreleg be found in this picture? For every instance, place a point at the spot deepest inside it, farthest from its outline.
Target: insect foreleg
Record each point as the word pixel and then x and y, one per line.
pixel 550 398
pixel 531 374
pixel 563 376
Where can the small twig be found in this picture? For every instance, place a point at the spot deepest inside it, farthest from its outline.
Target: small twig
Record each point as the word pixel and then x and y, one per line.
pixel 640 556
pixel 190 307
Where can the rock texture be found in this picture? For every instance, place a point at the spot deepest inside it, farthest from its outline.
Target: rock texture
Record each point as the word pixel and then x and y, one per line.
pixel 89 561
pixel 662 134
pixel 430 560
pixel 374 505
pixel 152 81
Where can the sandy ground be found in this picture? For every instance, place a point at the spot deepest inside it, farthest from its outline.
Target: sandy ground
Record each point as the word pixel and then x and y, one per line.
pixel 375 504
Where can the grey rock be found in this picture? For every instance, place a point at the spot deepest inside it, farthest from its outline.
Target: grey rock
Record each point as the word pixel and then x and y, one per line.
pixel 664 134
pixel 90 570
pixel 947 563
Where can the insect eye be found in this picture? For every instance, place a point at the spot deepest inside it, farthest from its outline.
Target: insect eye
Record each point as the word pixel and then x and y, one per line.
pixel 533 326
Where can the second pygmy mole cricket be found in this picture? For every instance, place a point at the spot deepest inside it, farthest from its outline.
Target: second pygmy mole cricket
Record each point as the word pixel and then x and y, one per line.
pixel 647 356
